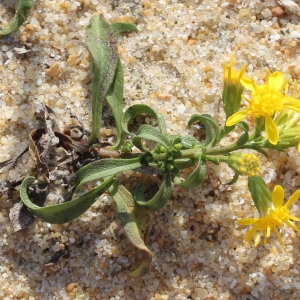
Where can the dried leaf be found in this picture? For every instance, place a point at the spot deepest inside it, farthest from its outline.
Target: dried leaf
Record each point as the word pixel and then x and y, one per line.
pixel 20 216
pixel 57 256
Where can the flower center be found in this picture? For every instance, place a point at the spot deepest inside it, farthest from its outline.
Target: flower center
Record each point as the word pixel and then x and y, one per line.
pixel 265 101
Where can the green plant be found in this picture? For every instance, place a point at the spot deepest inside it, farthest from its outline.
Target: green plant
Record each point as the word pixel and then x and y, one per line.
pixel 19 18
pixel 154 151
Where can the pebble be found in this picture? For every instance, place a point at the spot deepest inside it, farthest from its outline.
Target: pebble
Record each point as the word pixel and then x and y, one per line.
pixel 70 287
pixel 200 293
pixel 54 70
pixel 278 12
pixel 295 35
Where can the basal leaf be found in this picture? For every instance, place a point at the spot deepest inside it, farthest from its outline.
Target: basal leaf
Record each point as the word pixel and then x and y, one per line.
pixel 115 101
pixel 135 221
pixel 120 27
pixel 67 211
pixel 103 47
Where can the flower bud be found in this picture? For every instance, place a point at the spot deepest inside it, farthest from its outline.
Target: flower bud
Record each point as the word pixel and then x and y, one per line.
pixel 260 193
pixel 233 89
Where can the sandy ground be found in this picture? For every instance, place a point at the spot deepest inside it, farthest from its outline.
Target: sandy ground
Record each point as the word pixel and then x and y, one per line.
pixel 174 64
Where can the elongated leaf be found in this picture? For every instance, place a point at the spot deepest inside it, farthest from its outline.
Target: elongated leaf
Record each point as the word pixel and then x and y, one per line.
pixel 67 211
pixel 135 221
pixel 120 27
pixel 244 137
pixel 148 132
pixel 196 177
pixel 212 128
pixel 19 17
pixel 103 47
pixel 187 142
pixel 160 198
pixel 104 168
pixel 139 109
pixel 115 101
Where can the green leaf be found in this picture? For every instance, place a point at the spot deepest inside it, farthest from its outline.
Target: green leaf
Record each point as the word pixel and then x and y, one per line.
pixel 19 18
pixel 244 137
pixel 187 142
pixel 212 128
pixel 234 179
pixel 115 101
pixel 63 212
pixel 120 27
pixel 139 109
pixel 160 198
pixel 103 47
pixel 183 163
pixel 104 168
pixel 150 133
pixel 196 177
pixel 135 221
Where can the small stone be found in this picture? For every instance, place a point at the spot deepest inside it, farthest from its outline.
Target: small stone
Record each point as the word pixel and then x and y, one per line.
pixel 70 287
pixel 115 251
pixel 266 13
pixel 295 35
pixel 200 293
pixel 29 27
pixel 54 70
pixel 191 41
pixel 72 59
pixel 243 12
pixel 108 132
pixel 278 12
pixel 275 37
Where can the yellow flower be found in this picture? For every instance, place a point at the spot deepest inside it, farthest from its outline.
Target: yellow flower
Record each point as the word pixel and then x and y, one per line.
pixel 266 101
pixel 246 164
pixel 250 164
pixel 276 215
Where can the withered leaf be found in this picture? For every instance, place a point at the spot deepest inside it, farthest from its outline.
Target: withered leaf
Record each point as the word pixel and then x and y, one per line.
pixel 20 216
pixel 58 255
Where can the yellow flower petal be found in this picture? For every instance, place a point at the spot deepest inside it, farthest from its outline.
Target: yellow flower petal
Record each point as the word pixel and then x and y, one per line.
pixel 292 103
pixel 235 118
pixel 292 225
pixel 293 198
pixel 247 221
pixel 249 235
pixel 248 84
pixel 257 240
pixel 276 80
pixel 271 130
pixel 278 235
pixel 293 218
pixel 278 196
